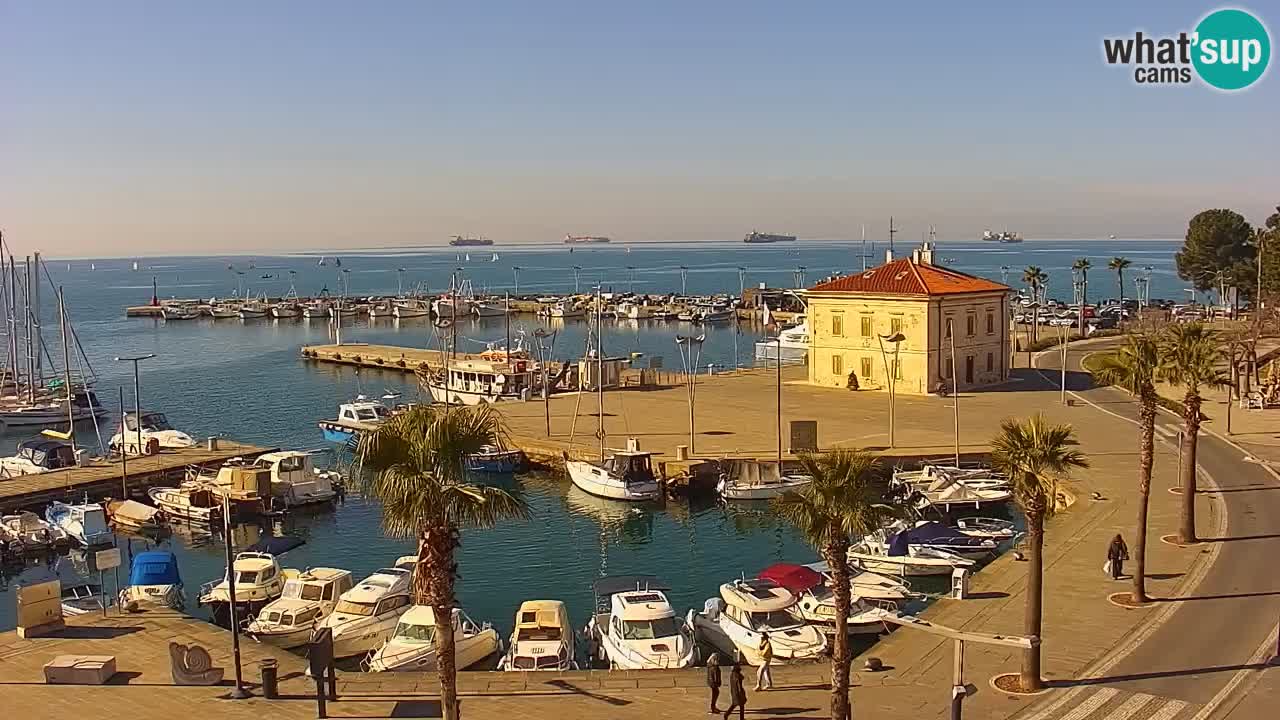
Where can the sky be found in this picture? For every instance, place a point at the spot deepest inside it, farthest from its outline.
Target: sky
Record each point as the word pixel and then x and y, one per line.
pixel 151 128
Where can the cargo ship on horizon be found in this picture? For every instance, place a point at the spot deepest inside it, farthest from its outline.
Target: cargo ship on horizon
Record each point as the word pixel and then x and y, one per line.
pixel 1004 237
pixel 580 239
pixel 755 236
pixel 460 241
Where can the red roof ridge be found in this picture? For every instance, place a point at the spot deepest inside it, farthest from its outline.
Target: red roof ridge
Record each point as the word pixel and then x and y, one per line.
pixel 924 279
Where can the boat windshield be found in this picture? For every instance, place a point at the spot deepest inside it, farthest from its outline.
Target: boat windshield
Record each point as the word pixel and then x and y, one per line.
pixel 416 633
pixel 302 591
pixel 538 634
pixel 366 414
pixel 347 607
pixel 247 577
pixel 776 620
pixel 649 629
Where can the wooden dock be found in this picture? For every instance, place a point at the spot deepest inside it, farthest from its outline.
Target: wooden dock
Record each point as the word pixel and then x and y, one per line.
pixel 384 357
pixel 101 478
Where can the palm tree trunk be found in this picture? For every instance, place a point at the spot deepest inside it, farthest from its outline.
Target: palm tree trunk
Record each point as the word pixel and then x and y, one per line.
pixel 1030 679
pixel 1035 315
pixel 1120 279
pixel 1147 458
pixel 837 557
pixel 446 666
pixel 1190 436
pixel 436 568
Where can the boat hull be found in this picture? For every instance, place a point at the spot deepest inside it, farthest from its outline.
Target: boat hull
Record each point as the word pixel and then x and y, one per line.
pixel 468 650
pixel 463 397
pixel 597 481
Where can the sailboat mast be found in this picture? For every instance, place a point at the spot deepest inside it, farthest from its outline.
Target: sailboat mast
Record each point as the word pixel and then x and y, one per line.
pixel 31 363
pixel 506 314
pixel 13 326
pixel 35 315
pixel 600 372
pixel 66 361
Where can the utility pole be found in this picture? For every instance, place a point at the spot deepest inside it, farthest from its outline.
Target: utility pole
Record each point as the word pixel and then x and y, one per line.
pixel 955 385
pixel 576 269
pixel 742 282
pixel 238 692
pixel 892 231
pixel 684 276
pixel 891 374
pixel 137 402
pixel 864 247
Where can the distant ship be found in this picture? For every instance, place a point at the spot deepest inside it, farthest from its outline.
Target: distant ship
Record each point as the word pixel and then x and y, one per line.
pixel 459 241
pixel 755 236
pixel 579 239
pixel 1004 237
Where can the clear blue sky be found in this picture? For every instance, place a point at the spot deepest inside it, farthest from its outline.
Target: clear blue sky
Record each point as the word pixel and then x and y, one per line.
pixel 132 127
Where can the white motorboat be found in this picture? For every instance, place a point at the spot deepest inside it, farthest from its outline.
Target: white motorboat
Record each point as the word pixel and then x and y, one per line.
pixel 792 344
pixel 37 456
pixel 477 382
pixel 946 491
pixel 817 601
pixel 85 523
pixel 904 559
pixel 987 527
pixel 295 481
pixel 381 309
pixel 253 309
pixel 413 644
pixel 154 581
pixel 84 406
pixel 625 475
pixel 136 436
pixel 635 628
pixel 542 639
pixel 367 614
pixel 931 473
pixel 734 622
pixel 634 311
pixel 222 311
pixel 190 502
pixel 756 480
pixel 288 621
pixel 83 599
pixel 565 309
pixel 315 309
pixel 179 311
pixel 411 309
pixel 874 587
pixel 286 310
pixel 355 418
pixel 452 306
pixel 259 580
pixel 27 532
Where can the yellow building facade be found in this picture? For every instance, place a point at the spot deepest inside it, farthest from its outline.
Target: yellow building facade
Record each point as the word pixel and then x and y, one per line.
pixel 898 321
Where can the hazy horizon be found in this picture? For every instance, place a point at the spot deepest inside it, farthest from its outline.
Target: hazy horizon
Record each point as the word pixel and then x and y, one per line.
pixel 134 129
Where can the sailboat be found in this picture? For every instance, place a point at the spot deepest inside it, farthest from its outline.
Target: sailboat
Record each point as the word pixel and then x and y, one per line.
pixel 625 475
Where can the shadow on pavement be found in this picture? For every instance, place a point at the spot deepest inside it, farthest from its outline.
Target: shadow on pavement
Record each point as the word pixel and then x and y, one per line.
pixel 1163 674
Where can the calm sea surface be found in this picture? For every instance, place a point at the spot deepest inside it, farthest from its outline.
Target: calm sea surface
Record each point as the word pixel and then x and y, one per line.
pixel 244 380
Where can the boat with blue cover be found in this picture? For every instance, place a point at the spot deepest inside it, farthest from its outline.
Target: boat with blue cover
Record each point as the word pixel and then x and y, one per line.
pixel 154 580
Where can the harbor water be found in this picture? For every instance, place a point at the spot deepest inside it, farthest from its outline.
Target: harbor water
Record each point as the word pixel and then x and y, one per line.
pixel 244 379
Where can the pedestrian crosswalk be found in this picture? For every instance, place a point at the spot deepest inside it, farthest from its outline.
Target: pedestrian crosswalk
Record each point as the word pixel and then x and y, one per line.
pixel 1104 703
pixel 1168 432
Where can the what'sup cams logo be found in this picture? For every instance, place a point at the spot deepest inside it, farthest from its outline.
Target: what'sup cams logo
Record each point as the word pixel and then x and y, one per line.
pixel 1228 50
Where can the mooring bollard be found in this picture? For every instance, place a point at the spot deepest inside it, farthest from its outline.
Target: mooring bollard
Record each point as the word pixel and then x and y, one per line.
pixel 269 669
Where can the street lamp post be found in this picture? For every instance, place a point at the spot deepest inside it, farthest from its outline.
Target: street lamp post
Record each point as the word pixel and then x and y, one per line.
pixel 742 282
pixel 778 339
pixel 1062 338
pixel 515 271
pixel 684 276
pixel 891 376
pixel 955 386
pixel 239 692
pixel 576 269
pixel 137 404
pixel 631 279
pixel 544 356
pixel 690 349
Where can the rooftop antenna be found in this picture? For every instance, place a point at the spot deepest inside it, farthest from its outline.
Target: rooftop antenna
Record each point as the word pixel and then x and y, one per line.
pixel 892 231
pixel 864 247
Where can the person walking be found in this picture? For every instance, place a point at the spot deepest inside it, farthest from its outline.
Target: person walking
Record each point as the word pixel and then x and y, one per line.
pixel 713 681
pixel 764 676
pixel 737 693
pixel 1117 553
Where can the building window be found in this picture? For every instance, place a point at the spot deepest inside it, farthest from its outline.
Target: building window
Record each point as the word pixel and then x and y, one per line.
pixel 866 326
pixel 948 330
pixel 837 365
pixel 948 369
pixel 837 325
pixel 895 325
pixel 866 367
pixel 991 322
pixel 991 362
pixel 971 323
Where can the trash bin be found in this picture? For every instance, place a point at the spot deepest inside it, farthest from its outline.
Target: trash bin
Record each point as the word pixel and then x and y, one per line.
pixel 270 685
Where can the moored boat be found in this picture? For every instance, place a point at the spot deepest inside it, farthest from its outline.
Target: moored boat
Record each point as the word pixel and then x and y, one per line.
pixel 757 480
pixel 367 614
pixel 542 639
pixel 193 503
pixel 413 644
pixel 634 626
pixel 746 609
pixel 154 581
pixel 307 599
pixel 85 523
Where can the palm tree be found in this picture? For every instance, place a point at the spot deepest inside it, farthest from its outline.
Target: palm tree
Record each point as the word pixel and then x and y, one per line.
pixel 840 503
pixel 414 464
pixel 1119 264
pixel 1133 367
pixel 1189 358
pixel 1034 277
pixel 1035 455
pixel 1082 265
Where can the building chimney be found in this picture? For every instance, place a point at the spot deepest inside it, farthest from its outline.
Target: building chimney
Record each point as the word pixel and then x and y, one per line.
pixel 888 255
pixel 925 254
pixel 915 256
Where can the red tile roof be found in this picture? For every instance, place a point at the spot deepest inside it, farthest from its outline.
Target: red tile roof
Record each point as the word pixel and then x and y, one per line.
pixel 904 277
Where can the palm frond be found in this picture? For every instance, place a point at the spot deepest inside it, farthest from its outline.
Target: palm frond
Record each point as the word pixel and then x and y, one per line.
pixel 1191 356
pixel 1036 455
pixel 1132 366
pixel 843 500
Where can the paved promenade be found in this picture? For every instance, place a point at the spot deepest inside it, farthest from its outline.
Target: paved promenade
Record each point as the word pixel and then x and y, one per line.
pixel 1098 656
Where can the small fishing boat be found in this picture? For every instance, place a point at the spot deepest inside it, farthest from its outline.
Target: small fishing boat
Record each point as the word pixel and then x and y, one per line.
pixel 488 309
pixel 367 614
pixel 84 598
pixel 222 311
pixel 542 638
pixel 137 436
pixel 307 599
pixel 733 623
pixel 636 628
pixel 182 311
pixel 134 515
pixel 315 309
pixel 413 644
pixel 494 460
pixel 904 559
pixel 154 581
pixel 381 309
pixel 26 532
pixel 37 456
pixel 342 308
pixel 85 523
pixel 193 503
pixel 354 418
pixel 625 475
pixel 295 481
pixel 753 480
pixel 817 602
pixel 253 310
pixel 411 309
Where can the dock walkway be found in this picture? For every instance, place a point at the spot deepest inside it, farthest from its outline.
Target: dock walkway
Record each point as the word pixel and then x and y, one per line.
pixel 103 477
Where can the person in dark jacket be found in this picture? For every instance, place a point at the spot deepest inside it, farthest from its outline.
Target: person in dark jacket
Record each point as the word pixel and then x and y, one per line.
pixel 713 681
pixel 737 693
pixel 1117 553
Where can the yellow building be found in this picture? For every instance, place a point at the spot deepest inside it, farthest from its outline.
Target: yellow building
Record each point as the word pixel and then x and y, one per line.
pixel 854 320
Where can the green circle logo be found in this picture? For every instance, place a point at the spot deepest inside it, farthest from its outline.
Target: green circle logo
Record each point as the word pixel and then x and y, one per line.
pixel 1231 49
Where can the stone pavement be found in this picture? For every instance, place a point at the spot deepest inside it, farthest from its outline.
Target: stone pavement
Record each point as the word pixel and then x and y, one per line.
pixel 1081 626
